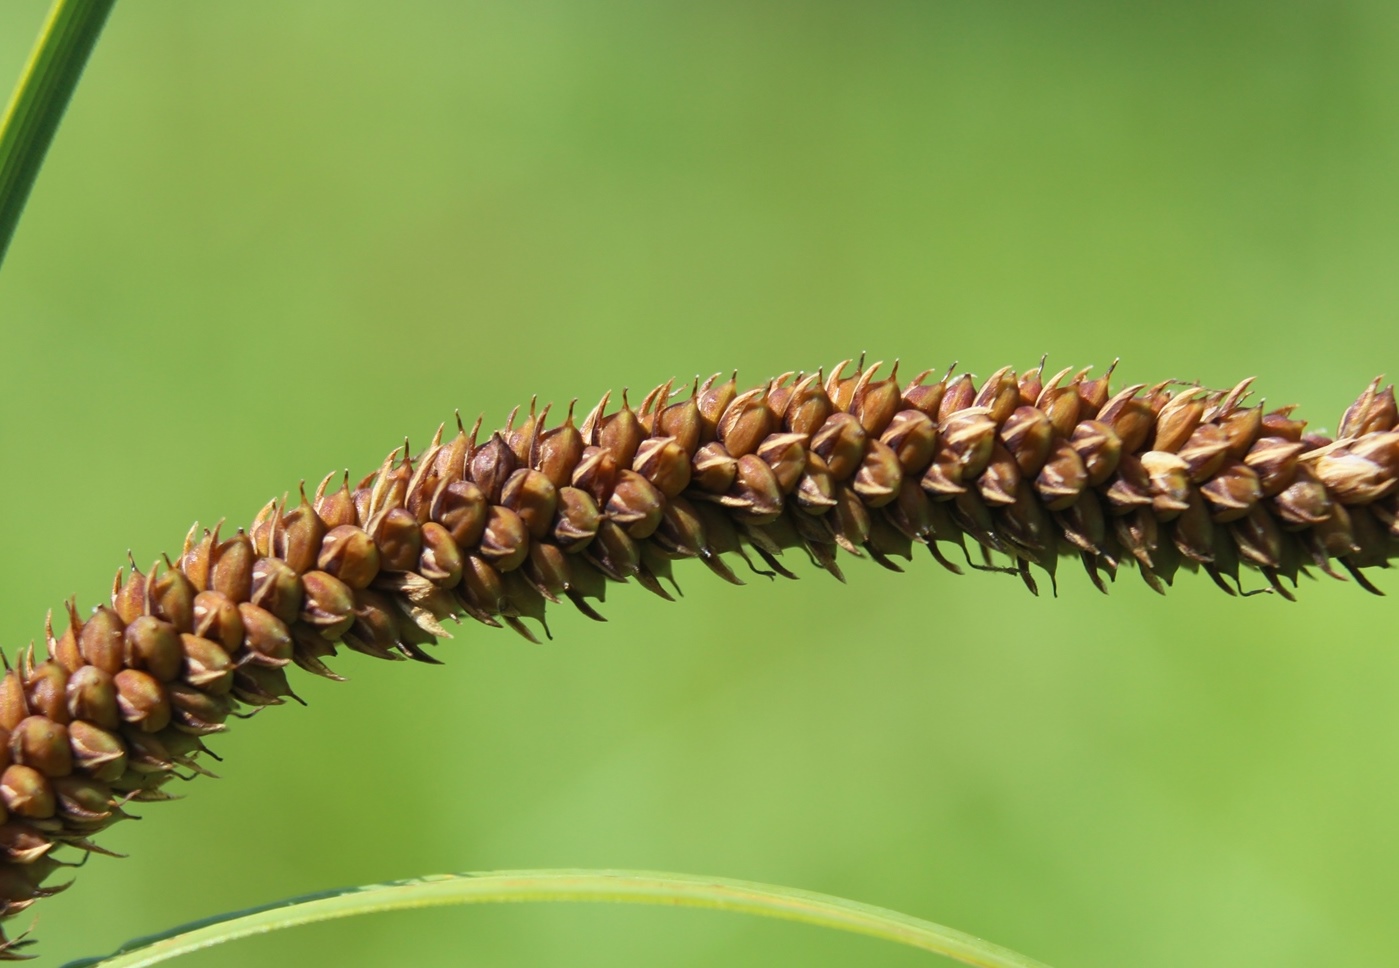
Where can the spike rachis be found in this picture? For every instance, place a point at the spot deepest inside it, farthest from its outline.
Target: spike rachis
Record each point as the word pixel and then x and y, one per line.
pixel 1031 469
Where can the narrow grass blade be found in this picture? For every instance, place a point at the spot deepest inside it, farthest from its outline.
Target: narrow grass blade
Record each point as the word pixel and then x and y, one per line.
pixel 623 887
pixel 40 99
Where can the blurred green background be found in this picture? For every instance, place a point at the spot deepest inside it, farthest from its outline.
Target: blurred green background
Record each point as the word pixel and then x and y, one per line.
pixel 272 238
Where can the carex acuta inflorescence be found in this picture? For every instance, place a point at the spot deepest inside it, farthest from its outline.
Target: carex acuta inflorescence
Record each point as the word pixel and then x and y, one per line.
pixel 493 526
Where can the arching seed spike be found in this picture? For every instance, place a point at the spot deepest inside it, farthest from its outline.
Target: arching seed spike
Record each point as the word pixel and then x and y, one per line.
pixel 1305 513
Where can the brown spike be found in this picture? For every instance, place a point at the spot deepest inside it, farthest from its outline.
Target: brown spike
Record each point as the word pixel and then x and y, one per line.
pixel 1156 478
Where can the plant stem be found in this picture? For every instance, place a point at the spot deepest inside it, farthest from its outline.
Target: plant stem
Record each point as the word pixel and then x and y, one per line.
pixel 626 887
pixel 40 99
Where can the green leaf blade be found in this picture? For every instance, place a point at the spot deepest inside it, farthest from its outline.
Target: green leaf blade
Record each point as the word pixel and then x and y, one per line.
pixel 39 100
pixel 595 886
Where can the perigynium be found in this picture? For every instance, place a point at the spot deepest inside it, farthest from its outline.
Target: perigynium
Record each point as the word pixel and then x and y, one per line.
pixel 496 526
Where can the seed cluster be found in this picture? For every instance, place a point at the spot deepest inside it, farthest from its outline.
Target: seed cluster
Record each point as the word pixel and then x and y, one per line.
pixel 1032 470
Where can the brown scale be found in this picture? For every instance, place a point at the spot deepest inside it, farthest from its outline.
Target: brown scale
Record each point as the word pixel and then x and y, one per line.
pixel 495 527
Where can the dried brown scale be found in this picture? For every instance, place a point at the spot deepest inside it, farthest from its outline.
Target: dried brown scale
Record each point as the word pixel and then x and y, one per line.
pixel 494 527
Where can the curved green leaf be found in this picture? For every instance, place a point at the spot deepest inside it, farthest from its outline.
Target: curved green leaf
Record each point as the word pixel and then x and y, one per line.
pixel 625 887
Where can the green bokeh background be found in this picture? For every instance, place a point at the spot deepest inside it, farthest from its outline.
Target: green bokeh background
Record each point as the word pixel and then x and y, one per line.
pixel 271 239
